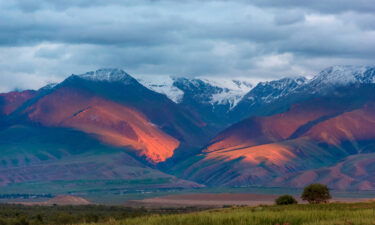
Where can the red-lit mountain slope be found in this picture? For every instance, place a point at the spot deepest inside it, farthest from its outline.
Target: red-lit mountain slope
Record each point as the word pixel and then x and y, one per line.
pixel 12 100
pixel 114 107
pixel 313 134
pixel 111 122
pixel 262 130
pixel 356 172
pixel 37 159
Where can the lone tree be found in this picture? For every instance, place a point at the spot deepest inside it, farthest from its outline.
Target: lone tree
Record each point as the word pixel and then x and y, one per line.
pixel 285 200
pixel 316 193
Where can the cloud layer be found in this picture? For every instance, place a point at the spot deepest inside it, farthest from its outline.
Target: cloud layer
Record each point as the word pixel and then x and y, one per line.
pixel 46 40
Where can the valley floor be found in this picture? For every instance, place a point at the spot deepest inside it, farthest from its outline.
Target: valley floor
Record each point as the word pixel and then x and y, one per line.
pixel 218 200
pixel 201 197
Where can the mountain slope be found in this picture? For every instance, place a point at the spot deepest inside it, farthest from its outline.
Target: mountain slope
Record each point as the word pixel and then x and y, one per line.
pixel 119 111
pixel 268 98
pixel 57 160
pixel 9 102
pixel 210 98
pixel 113 123
pixel 355 172
pixel 222 102
pixel 264 97
pixel 311 134
pixel 96 131
pixel 105 129
pixel 262 130
pixel 206 90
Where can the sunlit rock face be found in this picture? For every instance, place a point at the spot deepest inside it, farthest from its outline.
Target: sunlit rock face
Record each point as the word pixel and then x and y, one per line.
pixel 111 122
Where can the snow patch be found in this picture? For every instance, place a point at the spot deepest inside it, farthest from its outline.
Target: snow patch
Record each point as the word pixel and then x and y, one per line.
pixel 163 85
pixel 232 90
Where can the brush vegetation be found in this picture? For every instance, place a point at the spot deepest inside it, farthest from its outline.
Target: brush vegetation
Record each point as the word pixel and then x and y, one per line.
pixel 11 214
pixel 285 200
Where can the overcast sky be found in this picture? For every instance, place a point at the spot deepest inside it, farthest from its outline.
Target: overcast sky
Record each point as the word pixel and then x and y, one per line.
pixel 47 40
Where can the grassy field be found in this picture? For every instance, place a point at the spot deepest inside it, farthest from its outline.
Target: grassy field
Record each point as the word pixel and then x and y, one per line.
pixel 327 214
pixel 302 214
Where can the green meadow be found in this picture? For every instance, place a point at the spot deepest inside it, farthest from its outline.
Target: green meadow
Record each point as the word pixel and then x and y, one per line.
pixel 320 214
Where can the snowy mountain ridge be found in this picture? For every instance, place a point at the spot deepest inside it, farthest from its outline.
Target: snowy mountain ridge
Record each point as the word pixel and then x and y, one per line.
pixel 229 92
pixel 215 91
pixel 269 91
pixel 342 74
pixel 335 76
pixel 232 90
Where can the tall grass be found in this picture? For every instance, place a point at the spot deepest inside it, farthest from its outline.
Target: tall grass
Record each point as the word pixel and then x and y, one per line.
pixel 329 214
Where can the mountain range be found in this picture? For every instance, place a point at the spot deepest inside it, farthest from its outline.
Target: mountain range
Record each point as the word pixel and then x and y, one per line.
pixel 108 130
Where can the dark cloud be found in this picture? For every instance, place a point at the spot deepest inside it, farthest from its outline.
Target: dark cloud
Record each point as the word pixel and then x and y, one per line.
pixel 109 26
pixel 289 18
pixel 46 40
pixel 58 5
pixel 321 6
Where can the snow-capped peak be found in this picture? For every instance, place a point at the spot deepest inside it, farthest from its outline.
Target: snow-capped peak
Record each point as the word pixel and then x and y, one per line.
pixel 336 76
pixel 110 75
pixel 343 75
pixel 269 91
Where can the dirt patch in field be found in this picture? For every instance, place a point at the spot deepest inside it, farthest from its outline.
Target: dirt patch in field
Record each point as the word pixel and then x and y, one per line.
pixel 60 200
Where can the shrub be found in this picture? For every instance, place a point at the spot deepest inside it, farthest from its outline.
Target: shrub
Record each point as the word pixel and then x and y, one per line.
pixel 21 221
pixel 91 218
pixel 64 218
pixel 316 193
pixel 285 200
